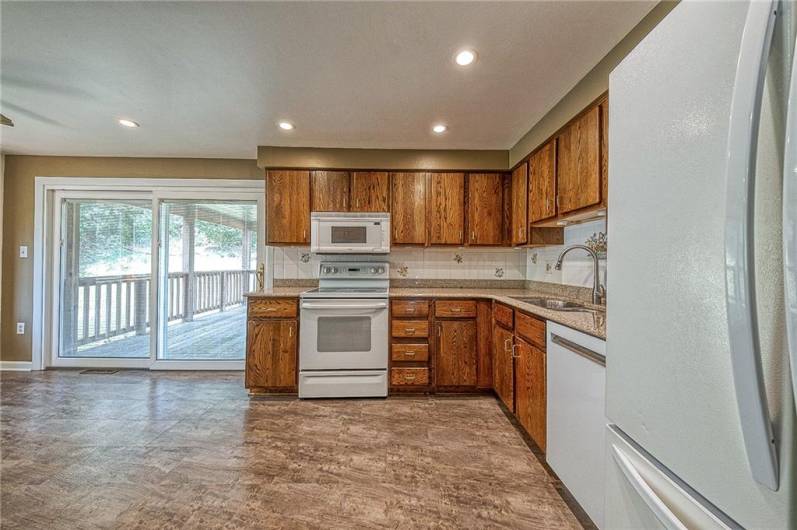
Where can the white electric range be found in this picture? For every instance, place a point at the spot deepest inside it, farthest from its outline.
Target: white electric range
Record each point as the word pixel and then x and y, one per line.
pixel 343 346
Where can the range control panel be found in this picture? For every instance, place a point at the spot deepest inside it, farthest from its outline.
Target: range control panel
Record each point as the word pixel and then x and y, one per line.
pixel 372 270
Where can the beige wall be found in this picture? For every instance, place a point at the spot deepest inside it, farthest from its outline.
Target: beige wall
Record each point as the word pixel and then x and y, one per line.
pixel 18 192
pixel 592 85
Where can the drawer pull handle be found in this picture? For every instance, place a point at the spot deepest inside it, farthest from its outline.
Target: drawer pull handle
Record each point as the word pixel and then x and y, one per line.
pixel 409 377
pixel 410 330
pixel 409 353
pixel 410 310
pixel 271 309
pixel 457 309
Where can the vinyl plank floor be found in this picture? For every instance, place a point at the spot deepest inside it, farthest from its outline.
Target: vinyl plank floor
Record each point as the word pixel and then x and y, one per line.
pixel 140 449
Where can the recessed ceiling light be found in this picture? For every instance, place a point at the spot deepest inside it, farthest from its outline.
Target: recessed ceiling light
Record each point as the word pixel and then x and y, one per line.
pixel 439 128
pixel 465 57
pixel 286 125
pixel 128 123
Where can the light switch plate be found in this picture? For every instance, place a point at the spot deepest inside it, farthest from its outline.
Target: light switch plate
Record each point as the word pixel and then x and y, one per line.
pixel 23 251
pixel 20 328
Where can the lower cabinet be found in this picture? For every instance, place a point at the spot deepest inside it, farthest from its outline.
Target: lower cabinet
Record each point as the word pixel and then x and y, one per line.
pixel 456 353
pixel 530 402
pixel 503 366
pixel 272 346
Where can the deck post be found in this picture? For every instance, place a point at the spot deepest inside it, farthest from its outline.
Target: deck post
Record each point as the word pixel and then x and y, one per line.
pixel 189 220
pixel 140 297
pixel 222 289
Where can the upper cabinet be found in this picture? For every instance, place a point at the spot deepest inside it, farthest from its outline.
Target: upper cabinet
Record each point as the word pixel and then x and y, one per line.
pixel 288 207
pixel 485 209
pixel 578 179
pixel 329 191
pixel 408 208
pixel 446 208
pixel 370 191
pixel 519 206
pixel 542 183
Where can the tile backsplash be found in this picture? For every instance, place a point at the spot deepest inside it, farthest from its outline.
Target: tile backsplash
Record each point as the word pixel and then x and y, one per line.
pixel 416 263
pixel 577 266
pixel 536 264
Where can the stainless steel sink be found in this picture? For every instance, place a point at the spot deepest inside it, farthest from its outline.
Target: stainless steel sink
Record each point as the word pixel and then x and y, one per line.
pixel 555 304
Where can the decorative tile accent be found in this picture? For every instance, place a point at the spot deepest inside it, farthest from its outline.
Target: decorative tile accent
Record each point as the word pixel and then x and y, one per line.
pixel 305 257
pixel 403 270
pixel 499 272
pixel 458 258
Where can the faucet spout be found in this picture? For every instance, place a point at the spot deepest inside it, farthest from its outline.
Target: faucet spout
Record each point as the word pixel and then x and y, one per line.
pixel 598 290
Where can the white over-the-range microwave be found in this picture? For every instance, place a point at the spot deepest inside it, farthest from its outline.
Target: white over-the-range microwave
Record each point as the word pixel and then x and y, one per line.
pixel 349 233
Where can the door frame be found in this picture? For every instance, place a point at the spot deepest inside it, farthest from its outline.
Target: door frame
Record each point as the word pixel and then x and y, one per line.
pixel 44 248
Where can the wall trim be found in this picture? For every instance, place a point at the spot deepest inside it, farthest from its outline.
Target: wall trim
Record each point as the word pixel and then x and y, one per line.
pixel 16 366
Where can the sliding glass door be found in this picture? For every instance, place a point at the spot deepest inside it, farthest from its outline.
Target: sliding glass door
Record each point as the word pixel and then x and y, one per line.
pixel 208 263
pixel 153 279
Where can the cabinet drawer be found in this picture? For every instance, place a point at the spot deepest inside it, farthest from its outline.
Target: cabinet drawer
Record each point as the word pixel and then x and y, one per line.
pixel 410 308
pixel 410 328
pixel 410 352
pixel 531 329
pixel 455 308
pixel 272 308
pixel 503 315
pixel 409 376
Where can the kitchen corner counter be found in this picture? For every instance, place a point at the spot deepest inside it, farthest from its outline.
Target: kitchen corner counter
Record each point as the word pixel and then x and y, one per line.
pixel 589 323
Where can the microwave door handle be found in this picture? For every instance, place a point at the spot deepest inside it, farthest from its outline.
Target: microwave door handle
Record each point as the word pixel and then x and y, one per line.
pixel 790 224
pixel 740 300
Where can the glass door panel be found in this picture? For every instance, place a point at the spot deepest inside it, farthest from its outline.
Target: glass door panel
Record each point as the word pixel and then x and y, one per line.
pixel 104 281
pixel 208 261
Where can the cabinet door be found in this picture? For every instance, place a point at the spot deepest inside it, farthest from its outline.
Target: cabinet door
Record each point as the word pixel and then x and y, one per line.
pixel 330 191
pixel 503 379
pixel 456 353
pixel 408 208
pixel 530 396
pixel 542 183
pixel 519 206
pixel 578 163
pixel 271 354
pixel 447 208
pixel 370 191
pixel 288 206
pixel 485 208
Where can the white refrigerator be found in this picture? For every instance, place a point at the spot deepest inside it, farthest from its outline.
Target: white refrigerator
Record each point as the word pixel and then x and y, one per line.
pixel 701 272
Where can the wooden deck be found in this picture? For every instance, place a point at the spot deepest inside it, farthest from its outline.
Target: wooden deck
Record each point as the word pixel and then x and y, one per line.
pixel 211 336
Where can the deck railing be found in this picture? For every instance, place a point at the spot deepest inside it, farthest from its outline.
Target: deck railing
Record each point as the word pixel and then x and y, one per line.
pixel 102 307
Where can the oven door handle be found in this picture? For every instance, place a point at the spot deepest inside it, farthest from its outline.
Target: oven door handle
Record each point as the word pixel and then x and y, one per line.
pixel 310 305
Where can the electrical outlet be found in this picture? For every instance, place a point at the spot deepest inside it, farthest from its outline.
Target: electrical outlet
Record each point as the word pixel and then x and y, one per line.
pixel 20 328
pixel 548 268
pixel 23 251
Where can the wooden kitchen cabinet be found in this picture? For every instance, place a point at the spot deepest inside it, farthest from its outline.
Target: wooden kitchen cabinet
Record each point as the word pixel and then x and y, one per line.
pixel 456 353
pixel 530 390
pixel 288 207
pixel 503 370
pixel 542 183
pixel 370 191
pixel 485 209
pixel 329 191
pixel 271 350
pixel 446 208
pixel 578 174
pixel 408 208
pixel 519 205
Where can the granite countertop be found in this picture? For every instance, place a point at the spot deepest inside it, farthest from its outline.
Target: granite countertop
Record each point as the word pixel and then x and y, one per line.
pixel 590 323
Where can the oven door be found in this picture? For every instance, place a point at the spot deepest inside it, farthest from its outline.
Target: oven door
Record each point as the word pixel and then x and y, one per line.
pixel 343 334
pixel 349 236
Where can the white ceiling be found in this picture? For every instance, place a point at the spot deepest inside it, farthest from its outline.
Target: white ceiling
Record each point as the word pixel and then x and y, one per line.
pixel 212 79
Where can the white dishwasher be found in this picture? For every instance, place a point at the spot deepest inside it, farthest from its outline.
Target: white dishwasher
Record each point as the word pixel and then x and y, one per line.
pixel 576 415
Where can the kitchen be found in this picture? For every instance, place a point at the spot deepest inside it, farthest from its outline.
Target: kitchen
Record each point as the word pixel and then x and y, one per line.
pixel 593 329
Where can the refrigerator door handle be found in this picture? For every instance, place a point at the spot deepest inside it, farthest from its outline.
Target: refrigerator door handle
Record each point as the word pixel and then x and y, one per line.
pixel 646 493
pixel 740 299
pixel 790 224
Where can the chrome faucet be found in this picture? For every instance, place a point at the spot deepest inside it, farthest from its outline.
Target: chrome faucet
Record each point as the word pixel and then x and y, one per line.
pixel 598 290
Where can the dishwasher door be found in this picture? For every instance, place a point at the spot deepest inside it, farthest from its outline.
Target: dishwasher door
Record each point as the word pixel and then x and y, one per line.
pixel 576 416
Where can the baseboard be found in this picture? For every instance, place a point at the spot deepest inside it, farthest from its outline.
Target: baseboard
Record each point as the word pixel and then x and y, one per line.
pixel 16 366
